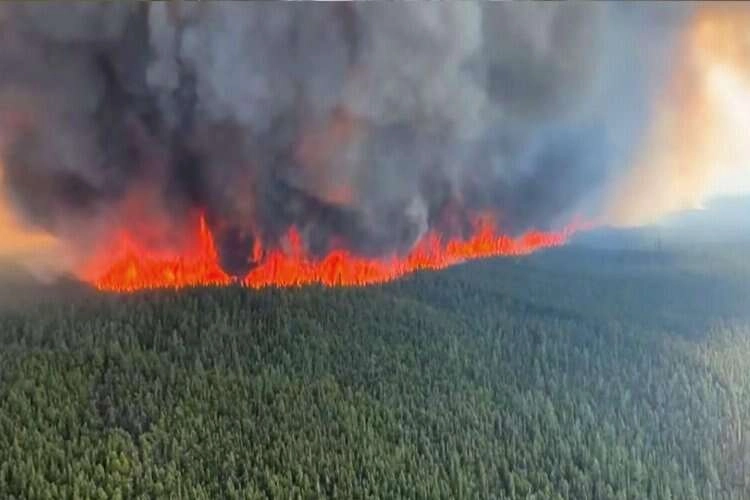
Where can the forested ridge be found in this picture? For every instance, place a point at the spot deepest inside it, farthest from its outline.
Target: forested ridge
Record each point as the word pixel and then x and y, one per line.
pixel 575 374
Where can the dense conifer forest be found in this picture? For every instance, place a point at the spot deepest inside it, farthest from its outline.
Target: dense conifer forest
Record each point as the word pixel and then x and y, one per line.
pixel 581 374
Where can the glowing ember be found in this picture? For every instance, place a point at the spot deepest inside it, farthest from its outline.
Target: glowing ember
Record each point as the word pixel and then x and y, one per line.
pixel 134 268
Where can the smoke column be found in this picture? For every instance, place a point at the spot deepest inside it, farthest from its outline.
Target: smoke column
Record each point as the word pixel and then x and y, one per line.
pixel 363 126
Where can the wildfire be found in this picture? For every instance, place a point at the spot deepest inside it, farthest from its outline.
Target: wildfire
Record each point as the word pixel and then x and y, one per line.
pixel 134 267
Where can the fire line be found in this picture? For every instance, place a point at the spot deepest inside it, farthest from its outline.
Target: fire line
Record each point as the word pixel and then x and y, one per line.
pixel 134 268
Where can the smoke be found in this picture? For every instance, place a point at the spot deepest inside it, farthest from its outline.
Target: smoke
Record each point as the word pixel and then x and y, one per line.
pixel 361 124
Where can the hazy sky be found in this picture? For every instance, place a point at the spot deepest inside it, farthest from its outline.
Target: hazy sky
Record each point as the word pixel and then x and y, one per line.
pixel 732 94
pixel 697 146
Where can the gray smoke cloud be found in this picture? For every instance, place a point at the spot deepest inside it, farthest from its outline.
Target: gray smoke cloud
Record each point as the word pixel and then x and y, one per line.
pixel 362 123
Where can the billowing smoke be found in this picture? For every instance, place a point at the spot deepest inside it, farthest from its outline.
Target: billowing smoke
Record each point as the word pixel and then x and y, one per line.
pixel 361 124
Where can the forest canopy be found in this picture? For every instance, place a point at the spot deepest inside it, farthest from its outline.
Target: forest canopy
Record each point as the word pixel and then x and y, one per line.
pixel 576 373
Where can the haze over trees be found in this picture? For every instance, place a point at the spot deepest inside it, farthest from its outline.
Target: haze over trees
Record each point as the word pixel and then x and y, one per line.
pixel 587 374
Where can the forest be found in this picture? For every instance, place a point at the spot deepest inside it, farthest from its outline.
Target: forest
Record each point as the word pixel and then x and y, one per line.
pixel 575 373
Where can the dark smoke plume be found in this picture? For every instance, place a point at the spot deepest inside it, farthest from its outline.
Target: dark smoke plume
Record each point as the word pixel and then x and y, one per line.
pixel 361 124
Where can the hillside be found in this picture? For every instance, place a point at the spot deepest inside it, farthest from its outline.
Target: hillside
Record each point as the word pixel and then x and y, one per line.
pixel 722 222
pixel 576 373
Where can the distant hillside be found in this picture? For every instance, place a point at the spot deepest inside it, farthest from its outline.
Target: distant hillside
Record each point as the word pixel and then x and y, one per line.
pixel 20 287
pixel 613 238
pixel 723 221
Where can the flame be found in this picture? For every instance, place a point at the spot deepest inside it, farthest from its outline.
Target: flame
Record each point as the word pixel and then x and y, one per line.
pixel 341 268
pixel 135 267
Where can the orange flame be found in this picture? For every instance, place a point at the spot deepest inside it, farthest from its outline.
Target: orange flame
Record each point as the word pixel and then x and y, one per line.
pixel 341 268
pixel 135 268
